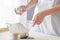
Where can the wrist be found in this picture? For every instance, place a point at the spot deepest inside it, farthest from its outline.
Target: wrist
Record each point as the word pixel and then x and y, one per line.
pixel 27 7
pixel 45 13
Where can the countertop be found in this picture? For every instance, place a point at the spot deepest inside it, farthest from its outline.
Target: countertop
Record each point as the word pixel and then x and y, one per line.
pixel 38 36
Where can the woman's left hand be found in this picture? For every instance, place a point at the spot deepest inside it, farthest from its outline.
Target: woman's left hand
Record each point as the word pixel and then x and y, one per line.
pixel 38 18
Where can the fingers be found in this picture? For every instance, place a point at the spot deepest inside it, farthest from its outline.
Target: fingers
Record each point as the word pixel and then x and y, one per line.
pixel 23 8
pixel 36 21
pixel 19 13
pixel 20 10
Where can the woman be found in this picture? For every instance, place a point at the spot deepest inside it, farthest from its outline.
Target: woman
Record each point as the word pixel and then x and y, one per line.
pixel 45 8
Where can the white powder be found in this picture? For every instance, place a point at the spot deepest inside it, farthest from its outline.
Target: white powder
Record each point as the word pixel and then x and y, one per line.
pixel 17 28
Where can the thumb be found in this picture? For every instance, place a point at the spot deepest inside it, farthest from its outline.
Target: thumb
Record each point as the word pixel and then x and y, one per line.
pixel 34 22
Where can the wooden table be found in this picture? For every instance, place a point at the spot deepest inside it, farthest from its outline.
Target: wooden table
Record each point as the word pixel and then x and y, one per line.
pixel 3 29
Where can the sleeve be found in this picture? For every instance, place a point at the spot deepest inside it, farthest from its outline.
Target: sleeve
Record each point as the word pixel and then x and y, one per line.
pixel 58 1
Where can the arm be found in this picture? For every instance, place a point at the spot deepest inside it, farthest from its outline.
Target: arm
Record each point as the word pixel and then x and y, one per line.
pixel 40 16
pixel 25 7
pixel 52 10
pixel 31 3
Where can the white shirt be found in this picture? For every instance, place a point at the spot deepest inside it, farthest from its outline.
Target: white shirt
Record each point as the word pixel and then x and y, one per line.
pixel 55 20
pixel 51 23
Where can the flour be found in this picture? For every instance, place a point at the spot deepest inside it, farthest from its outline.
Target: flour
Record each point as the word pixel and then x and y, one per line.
pixel 17 28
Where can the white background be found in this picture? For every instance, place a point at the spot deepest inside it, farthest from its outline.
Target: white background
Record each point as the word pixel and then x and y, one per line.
pixel 7 13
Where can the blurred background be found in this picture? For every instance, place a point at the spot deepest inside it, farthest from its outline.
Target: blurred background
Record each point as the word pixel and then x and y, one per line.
pixel 7 15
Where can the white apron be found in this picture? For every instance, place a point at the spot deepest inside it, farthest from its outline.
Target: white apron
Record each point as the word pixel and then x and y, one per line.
pixel 45 27
pixel 55 21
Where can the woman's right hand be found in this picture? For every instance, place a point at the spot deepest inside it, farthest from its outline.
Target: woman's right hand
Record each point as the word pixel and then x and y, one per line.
pixel 21 11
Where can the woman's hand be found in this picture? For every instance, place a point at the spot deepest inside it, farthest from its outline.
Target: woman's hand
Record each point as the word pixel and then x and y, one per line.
pixel 22 9
pixel 38 18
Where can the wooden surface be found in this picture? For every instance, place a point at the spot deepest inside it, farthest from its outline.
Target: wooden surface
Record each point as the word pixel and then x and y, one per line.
pixel 3 29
